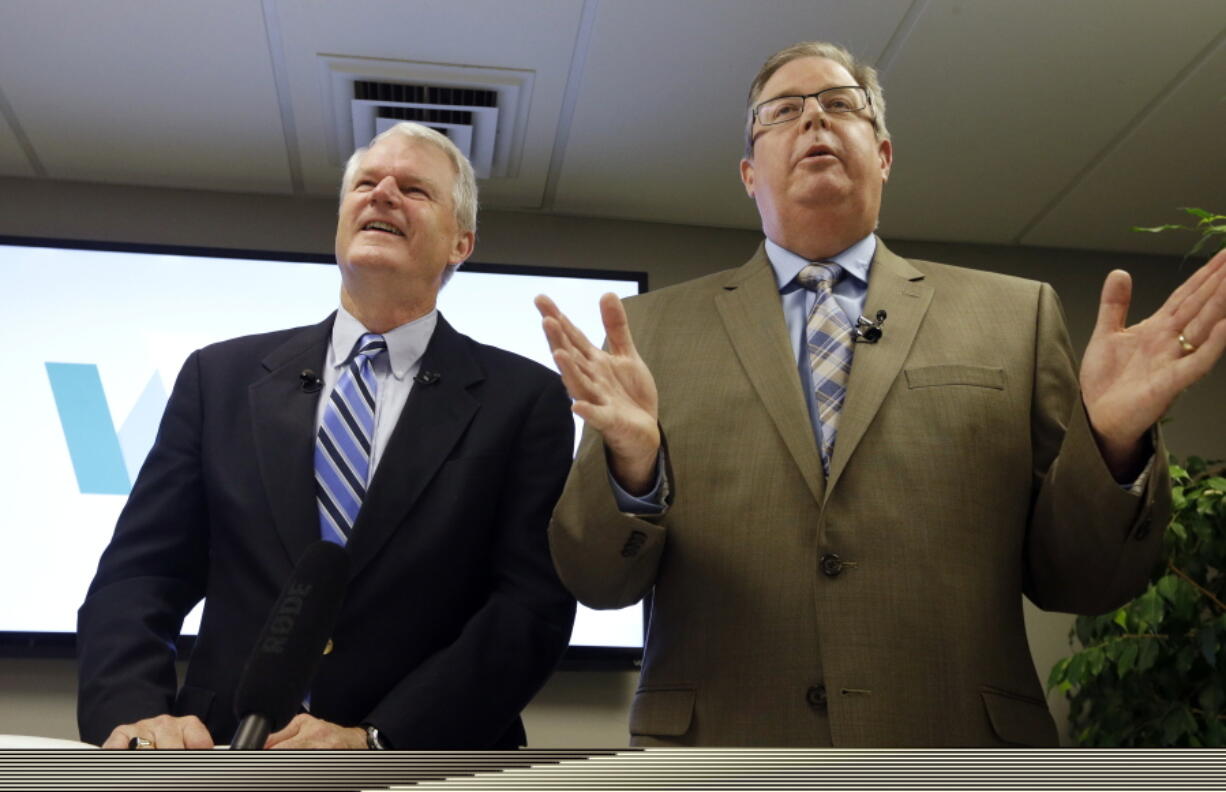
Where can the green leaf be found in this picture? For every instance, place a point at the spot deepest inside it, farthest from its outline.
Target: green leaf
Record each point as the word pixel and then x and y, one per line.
pixel 1075 673
pixel 1201 213
pixel 1121 618
pixel 1148 609
pixel 1218 483
pixel 1168 586
pixel 1128 657
pixel 1178 473
pixel 1096 661
pixel 1177 528
pixel 1161 228
pixel 1148 654
pixel 1211 698
pixel 1057 674
pixel 1207 638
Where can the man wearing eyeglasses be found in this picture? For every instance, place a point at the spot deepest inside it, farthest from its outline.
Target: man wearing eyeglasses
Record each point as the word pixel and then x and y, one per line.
pixel 837 513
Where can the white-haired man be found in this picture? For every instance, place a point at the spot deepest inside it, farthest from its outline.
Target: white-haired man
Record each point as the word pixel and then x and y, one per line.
pixel 434 459
pixel 839 517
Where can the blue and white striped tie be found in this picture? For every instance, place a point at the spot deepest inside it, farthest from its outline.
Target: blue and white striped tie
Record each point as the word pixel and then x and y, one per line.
pixel 342 447
pixel 828 340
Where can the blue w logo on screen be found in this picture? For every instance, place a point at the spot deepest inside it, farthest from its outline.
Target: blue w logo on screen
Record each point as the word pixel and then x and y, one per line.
pixel 104 458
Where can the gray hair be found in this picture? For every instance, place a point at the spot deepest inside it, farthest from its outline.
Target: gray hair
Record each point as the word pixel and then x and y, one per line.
pixel 464 190
pixel 864 75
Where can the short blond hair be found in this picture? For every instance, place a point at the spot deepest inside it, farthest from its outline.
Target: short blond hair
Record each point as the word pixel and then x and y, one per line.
pixel 864 75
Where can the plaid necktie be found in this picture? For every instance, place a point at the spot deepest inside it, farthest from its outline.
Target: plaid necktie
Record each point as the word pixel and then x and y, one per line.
pixel 342 447
pixel 828 339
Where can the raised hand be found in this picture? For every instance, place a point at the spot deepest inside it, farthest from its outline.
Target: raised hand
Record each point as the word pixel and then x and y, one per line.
pixel 1131 375
pixel 613 389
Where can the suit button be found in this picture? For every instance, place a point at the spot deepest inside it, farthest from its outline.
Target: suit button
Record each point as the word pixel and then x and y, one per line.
pixel 328 647
pixel 816 696
pixel 831 565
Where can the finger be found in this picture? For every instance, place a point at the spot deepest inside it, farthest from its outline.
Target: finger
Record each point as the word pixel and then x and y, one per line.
pixel 1114 302
pixel 1197 315
pixel 289 732
pixel 555 334
pixel 196 736
pixel 120 737
pixel 567 330
pixel 579 384
pixel 546 306
pixel 616 327
pixel 167 732
pixel 1194 365
pixel 1188 288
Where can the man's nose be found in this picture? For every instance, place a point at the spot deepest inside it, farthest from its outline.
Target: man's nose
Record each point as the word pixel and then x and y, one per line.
pixel 812 114
pixel 386 192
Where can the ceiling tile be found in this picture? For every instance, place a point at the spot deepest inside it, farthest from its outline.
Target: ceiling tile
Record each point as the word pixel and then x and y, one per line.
pixel 1174 157
pixel 147 92
pixel 537 35
pixel 657 132
pixel 996 106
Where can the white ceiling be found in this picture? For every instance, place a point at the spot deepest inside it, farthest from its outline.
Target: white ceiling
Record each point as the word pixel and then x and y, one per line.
pixel 1030 122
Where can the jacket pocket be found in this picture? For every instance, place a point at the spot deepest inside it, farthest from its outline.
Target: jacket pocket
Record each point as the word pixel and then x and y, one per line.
pixel 663 712
pixel 194 701
pixel 1018 719
pixel 975 376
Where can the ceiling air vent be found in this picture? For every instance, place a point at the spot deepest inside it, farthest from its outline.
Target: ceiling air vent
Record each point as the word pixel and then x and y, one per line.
pixel 482 110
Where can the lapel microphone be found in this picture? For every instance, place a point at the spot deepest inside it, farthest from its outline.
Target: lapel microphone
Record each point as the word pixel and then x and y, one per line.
pixel 309 381
pixel 868 331
pixel 427 378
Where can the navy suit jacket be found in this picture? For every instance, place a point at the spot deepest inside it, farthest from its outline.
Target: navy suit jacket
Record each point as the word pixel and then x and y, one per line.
pixel 453 617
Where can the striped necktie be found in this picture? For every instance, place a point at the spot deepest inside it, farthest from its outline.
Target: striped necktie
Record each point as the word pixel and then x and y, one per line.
pixel 828 340
pixel 342 447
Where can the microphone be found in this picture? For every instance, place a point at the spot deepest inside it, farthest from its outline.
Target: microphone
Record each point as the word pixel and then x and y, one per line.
pixel 428 377
pixel 309 381
pixel 287 653
pixel 868 331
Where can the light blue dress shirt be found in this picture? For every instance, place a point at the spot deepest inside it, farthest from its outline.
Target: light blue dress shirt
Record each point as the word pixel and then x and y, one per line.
pixel 796 301
pixel 394 370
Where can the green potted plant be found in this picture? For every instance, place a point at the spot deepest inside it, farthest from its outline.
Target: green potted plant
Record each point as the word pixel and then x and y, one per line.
pixel 1153 673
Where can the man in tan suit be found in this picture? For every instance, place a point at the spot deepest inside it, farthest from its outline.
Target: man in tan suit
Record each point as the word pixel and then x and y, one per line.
pixel 845 570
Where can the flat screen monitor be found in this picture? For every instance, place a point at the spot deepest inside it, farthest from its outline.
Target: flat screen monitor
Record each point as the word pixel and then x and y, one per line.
pixel 94 337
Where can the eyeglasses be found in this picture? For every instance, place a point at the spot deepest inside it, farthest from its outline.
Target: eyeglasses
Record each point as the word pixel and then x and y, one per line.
pixel 782 109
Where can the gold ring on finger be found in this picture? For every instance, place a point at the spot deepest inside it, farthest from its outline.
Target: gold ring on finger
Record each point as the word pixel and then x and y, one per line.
pixel 1187 346
pixel 139 744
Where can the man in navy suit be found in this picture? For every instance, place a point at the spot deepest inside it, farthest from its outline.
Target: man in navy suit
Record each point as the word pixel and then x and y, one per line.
pixel 453 617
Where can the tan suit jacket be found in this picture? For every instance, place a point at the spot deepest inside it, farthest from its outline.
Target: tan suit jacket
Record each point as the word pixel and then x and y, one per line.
pixel 879 605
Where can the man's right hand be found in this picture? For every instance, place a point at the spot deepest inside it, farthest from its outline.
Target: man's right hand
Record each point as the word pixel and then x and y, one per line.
pixel 164 732
pixel 613 390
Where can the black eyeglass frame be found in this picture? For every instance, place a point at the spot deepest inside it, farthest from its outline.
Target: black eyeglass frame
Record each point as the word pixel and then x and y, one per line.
pixel 868 102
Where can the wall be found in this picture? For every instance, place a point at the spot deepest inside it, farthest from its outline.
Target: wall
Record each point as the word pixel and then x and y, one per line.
pixel 575 709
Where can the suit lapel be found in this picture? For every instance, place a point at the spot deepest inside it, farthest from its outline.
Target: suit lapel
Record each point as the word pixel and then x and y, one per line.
pixel 899 288
pixel 283 419
pixel 750 310
pixel 431 423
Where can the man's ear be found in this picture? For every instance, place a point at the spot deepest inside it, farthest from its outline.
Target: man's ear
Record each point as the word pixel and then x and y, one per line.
pixel 463 248
pixel 747 175
pixel 885 150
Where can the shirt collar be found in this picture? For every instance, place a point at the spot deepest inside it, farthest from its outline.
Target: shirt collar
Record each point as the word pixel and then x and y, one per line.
pixel 405 344
pixel 855 261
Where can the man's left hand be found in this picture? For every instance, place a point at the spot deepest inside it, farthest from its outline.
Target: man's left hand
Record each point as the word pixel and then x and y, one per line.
pixel 306 732
pixel 1131 375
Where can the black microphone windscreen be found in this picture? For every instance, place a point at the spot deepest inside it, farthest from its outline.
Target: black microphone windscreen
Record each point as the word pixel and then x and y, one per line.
pixel 287 653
